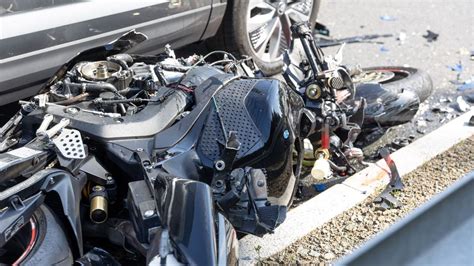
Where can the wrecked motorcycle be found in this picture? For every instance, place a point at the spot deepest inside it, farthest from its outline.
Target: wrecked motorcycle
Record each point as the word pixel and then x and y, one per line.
pixel 164 158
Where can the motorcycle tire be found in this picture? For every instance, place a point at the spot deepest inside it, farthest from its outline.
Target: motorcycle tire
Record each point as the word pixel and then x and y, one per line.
pixel 235 38
pixel 397 79
pixel 51 246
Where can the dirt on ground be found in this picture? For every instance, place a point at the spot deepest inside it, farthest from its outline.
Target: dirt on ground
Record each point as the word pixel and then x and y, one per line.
pixel 344 233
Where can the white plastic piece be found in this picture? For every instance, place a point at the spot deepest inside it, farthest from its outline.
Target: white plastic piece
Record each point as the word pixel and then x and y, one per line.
pixel 308 149
pixel 70 145
pixel 321 169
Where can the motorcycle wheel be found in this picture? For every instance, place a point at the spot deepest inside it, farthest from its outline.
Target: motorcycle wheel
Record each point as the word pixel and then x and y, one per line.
pixel 397 79
pixel 41 241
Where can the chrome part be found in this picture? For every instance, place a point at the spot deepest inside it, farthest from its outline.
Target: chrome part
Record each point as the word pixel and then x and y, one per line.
pixel 99 70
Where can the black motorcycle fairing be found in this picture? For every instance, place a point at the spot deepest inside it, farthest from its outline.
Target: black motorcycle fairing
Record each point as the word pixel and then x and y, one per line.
pixel 65 186
pixel 206 90
pixel 387 108
pixel 15 218
pixel 186 211
pixel 68 188
pixel 265 115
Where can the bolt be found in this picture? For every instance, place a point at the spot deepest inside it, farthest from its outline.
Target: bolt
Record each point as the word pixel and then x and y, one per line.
pixel 260 183
pixel 219 183
pixel 72 110
pixel 220 165
pixel 139 149
pixel 51 181
pixel 97 188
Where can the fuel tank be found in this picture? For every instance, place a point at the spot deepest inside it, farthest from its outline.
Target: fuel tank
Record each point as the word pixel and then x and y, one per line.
pixel 263 113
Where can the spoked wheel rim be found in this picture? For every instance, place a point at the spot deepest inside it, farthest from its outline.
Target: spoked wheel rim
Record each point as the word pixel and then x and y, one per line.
pixel 268 25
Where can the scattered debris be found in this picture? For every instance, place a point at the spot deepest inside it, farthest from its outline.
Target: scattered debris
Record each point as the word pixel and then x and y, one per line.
pixel 386 199
pixel 399 143
pixel 468 84
pixel 421 131
pixel 446 118
pixel 458 68
pixel 388 18
pixel 431 36
pixel 442 110
pixel 369 38
pixel 421 123
pixel 469 95
pixel 461 105
pixel 383 49
pixel 402 36
pixel 325 184
pixel 445 100
pixel 321 29
pixel 472 55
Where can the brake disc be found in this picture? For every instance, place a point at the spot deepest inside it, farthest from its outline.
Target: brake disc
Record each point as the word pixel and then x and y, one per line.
pixel 377 76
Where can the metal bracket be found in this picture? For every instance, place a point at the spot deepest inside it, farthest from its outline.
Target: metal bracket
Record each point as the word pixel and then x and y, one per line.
pixel 386 198
pixel 69 144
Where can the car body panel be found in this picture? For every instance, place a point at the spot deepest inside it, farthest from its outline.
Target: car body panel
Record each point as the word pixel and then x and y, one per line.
pixel 40 37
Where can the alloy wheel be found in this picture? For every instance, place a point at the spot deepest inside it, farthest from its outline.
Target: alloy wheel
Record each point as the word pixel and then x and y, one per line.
pixel 268 25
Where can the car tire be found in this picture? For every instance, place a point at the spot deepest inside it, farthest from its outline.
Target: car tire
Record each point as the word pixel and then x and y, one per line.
pixel 51 246
pixel 235 37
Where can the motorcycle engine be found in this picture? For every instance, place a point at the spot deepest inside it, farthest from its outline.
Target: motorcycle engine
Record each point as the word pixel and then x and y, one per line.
pixel 108 98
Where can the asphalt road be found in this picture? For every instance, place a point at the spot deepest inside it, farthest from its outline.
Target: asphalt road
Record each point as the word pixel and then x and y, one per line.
pixel 452 20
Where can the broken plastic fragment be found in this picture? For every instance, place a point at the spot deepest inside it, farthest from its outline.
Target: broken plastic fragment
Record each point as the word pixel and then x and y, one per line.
pixel 431 36
pixel 441 110
pixel 468 84
pixel 457 67
pixel 402 36
pixel 461 105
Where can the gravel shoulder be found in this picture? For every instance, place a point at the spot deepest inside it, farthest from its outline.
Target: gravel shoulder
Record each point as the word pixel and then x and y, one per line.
pixel 344 233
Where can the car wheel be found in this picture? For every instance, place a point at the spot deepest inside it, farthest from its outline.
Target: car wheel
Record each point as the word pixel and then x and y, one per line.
pixel 261 28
